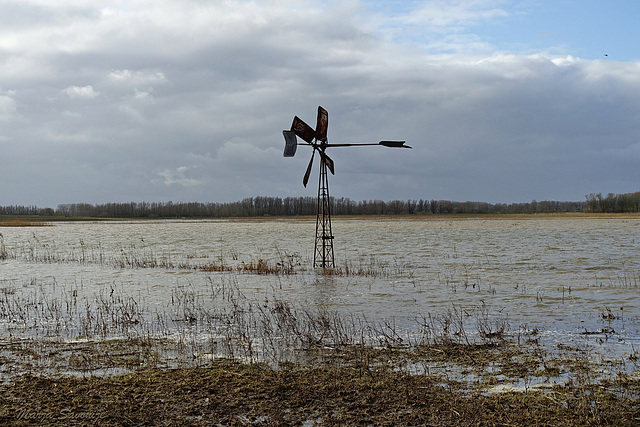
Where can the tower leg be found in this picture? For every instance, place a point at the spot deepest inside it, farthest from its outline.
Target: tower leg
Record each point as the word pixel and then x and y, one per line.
pixel 323 253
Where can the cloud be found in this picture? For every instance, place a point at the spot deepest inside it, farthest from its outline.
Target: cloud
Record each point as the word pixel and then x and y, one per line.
pixel 189 98
pixel 8 107
pixel 138 78
pixel 447 15
pixel 438 26
pixel 81 92
pixel 178 176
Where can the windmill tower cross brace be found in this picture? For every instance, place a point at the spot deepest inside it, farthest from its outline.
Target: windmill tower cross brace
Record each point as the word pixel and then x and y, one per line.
pixel 317 139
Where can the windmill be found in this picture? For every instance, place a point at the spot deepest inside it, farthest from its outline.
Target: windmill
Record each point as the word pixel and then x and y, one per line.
pixel 317 140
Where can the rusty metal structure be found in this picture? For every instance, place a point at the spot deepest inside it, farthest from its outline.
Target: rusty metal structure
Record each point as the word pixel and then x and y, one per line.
pixel 323 255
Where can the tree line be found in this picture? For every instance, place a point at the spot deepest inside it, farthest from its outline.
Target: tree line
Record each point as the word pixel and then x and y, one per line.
pixel 295 206
pixel 292 206
pixel 613 203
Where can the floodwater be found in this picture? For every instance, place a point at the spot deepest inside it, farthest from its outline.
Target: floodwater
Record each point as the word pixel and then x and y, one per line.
pixel 572 279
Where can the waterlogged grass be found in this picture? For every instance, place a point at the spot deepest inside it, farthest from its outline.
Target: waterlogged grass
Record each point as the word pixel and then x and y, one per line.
pixel 134 257
pixel 105 362
pixel 353 389
pixel 209 355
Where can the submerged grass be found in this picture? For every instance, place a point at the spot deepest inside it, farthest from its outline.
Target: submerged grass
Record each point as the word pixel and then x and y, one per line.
pixel 271 363
pixel 104 361
pixel 213 356
pixel 134 257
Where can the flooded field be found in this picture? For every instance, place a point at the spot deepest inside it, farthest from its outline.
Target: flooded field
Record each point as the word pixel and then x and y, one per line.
pixel 247 289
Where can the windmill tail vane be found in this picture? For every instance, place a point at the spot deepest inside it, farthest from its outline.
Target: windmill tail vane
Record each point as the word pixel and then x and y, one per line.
pixel 317 140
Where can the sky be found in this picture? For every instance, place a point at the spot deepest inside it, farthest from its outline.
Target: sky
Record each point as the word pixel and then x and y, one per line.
pixel 503 101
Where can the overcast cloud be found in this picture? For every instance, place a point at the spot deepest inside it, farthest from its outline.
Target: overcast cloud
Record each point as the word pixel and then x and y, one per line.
pixel 185 100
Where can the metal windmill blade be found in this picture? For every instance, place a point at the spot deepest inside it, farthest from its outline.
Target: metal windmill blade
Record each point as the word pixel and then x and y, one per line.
pixel 305 179
pixel 303 130
pixel 322 125
pixel 328 161
pixel 290 143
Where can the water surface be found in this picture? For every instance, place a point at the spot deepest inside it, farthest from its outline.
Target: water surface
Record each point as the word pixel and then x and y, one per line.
pixel 573 279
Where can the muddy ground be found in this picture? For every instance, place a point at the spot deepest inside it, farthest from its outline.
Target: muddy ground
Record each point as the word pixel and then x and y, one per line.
pixel 361 386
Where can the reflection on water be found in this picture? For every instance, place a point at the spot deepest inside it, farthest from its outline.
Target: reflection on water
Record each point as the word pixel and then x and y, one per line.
pixel 571 276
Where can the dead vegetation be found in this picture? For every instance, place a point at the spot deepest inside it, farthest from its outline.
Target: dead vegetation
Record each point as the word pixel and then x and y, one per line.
pixel 135 257
pixel 228 393
pixel 215 357
pixel 272 363
pixel 13 221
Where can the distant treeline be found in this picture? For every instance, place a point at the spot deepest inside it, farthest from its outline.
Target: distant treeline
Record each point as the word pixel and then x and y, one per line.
pixel 613 203
pixel 292 206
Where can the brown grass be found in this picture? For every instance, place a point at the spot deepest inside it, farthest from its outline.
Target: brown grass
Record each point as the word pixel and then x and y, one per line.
pixel 234 394
pixel 490 216
pixel 21 222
